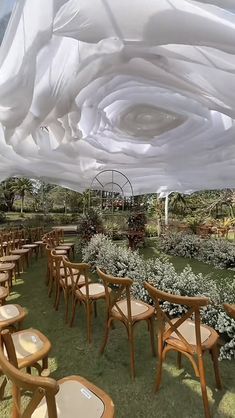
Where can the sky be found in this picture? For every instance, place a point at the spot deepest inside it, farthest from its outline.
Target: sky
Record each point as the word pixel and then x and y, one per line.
pixel 5 7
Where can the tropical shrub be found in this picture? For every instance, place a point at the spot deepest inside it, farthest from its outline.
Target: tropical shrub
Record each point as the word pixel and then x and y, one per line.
pixel 3 218
pixel 90 224
pixel 219 252
pixel 120 261
pixel 136 229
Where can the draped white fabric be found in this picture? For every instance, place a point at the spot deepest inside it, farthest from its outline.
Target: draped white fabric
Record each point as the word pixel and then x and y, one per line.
pixel 144 87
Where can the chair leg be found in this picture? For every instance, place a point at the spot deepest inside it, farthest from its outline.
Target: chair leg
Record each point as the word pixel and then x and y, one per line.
pixel 214 356
pixel 132 351
pixel 57 300
pixel 95 308
pixel 73 312
pixel 179 360
pixel 45 363
pixel 16 402
pixel 203 386
pixel 106 335
pixel 151 331
pixel 2 388
pixel 66 299
pixel 50 286
pixel 160 363
pixel 89 313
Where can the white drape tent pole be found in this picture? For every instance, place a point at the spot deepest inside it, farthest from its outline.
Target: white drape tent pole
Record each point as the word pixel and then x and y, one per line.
pixel 166 209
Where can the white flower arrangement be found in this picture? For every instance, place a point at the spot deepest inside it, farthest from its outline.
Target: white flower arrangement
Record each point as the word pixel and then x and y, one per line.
pixel 122 262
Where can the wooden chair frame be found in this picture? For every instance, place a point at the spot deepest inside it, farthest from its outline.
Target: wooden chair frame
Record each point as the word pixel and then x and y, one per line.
pixel 78 297
pixel 40 386
pixel 230 309
pixel 62 283
pixel 168 326
pixel 121 290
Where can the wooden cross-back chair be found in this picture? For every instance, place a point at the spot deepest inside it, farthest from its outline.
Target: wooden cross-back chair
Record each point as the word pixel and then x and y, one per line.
pixel 185 336
pixel 50 276
pixel 63 281
pixel 123 308
pixel 230 309
pixel 71 397
pixel 83 291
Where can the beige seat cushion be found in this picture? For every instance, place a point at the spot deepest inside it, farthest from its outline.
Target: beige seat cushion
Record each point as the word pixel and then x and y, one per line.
pixel 3 277
pixel 8 312
pixel 3 292
pixel 73 400
pixel 26 343
pixel 7 266
pixel 10 258
pixel 30 246
pixel 94 289
pixel 62 247
pixel 60 252
pixel 38 242
pixel 137 307
pixel 187 329
pixel 20 251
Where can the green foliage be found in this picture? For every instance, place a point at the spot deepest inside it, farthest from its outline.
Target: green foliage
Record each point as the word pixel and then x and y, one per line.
pixel 152 230
pixel 7 193
pixel 219 252
pixel 137 221
pixel 122 262
pixel 194 222
pixel 2 218
pixel 90 224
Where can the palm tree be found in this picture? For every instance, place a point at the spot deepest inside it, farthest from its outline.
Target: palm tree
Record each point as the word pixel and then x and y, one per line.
pixel 177 202
pixel 21 186
pixel 7 194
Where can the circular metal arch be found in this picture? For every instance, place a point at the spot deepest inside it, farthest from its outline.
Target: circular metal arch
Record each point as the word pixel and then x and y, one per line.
pixel 111 184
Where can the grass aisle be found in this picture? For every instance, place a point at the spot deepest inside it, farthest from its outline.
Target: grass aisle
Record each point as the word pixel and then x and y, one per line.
pixel 180 393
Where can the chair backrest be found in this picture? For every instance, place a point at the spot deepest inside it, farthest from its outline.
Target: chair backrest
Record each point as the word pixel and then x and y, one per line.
pixel 39 386
pixel 230 309
pixel 120 289
pixel 192 303
pixel 75 271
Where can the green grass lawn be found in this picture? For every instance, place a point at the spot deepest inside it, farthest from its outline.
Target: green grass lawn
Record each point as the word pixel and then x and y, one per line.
pixel 179 395
pixel 150 251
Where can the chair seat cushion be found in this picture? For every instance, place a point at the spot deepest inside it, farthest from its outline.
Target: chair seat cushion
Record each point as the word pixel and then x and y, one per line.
pixel 3 292
pixel 26 343
pixel 187 329
pixel 95 289
pixel 62 247
pixel 3 277
pixel 60 252
pixel 73 400
pixel 137 308
pixel 10 258
pixel 38 242
pixel 20 251
pixel 30 246
pixel 6 266
pixel 8 312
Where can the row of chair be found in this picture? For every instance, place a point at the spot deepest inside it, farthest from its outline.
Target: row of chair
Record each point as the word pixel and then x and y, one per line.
pixel 28 349
pixel 186 334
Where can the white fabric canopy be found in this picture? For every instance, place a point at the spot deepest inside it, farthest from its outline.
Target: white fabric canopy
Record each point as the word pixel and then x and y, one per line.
pixel 144 87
